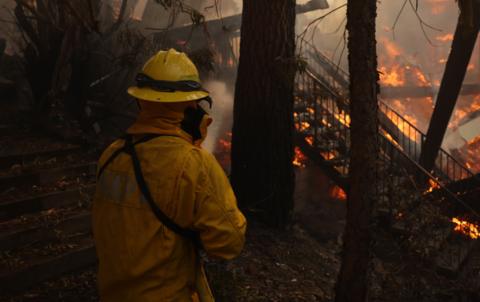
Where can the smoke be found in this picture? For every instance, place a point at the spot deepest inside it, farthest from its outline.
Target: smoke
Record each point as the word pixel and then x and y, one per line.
pixel 221 112
pixel 408 33
pixel 7 26
pixel 409 39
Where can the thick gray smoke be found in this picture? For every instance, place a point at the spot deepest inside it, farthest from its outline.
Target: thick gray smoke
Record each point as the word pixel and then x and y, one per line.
pixel 221 113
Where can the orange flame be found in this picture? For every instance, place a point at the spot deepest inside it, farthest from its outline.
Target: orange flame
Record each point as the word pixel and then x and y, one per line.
pixel 392 76
pixel 405 128
pixel 328 155
pixel 391 48
pixel 433 186
pixel 343 118
pixel 300 159
pixel 391 139
pixel 445 38
pixel 338 193
pixel 466 228
pixel 394 72
pixel 302 126
pixel 309 140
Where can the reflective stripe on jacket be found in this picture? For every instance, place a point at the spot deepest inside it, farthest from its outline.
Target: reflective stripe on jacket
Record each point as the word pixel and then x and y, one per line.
pixel 139 258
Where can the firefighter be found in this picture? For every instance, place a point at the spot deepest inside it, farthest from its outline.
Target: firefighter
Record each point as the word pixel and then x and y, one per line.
pixel 160 197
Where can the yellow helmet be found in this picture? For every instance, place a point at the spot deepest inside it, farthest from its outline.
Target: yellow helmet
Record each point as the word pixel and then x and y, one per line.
pixel 168 77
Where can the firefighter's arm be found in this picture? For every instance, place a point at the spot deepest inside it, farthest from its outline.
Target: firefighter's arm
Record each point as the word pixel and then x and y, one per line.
pixel 218 220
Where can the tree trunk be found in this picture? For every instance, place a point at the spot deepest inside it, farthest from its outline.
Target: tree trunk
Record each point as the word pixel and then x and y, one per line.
pixel 262 142
pixel 463 44
pixel 352 283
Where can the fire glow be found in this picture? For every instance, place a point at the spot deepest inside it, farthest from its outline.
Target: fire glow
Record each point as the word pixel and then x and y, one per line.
pixel 399 75
pixel 445 38
pixel 309 140
pixel 399 68
pixel 302 126
pixel 338 193
pixel 299 159
pixel 466 228
pixel 392 76
pixel 433 185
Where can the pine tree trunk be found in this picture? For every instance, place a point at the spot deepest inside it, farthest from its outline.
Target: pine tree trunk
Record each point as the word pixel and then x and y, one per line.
pixel 352 284
pixel 463 45
pixel 262 143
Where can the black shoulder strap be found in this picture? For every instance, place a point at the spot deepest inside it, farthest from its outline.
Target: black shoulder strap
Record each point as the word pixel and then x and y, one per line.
pixel 142 184
pixel 117 152
pixel 129 148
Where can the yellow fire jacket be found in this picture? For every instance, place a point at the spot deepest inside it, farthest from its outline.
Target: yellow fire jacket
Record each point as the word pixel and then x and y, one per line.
pixel 139 258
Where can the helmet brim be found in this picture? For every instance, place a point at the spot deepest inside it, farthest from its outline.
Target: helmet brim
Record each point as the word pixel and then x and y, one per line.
pixel 151 95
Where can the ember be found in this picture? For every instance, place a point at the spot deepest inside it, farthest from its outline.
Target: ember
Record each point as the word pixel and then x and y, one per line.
pixel 302 126
pixel 328 155
pixel 433 186
pixel 300 159
pixel 466 228
pixel 343 118
pixel 338 193
pixel 309 140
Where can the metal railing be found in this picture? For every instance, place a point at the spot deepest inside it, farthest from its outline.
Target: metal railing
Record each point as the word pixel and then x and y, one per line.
pixel 331 83
pixel 322 120
pixel 397 129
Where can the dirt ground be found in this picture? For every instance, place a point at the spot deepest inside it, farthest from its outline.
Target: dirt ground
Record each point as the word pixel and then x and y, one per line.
pixel 274 266
pixel 298 264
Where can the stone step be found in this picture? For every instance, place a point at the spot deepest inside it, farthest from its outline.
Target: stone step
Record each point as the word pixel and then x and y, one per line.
pixel 46 229
pixel 12 209
pixel 34 269
pixel 48 176
pixel 18 158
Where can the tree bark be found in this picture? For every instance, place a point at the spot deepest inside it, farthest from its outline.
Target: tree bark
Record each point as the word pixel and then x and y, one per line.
pixel 352 284
pixel 262 142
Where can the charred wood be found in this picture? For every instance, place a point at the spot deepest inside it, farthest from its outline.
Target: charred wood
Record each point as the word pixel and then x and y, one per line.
pixel 423 92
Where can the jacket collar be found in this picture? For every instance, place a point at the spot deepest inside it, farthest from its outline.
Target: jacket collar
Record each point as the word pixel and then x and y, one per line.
pixel 165 119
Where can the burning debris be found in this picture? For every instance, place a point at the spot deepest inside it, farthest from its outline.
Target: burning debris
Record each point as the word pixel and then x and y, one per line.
pixel 299 159
pixel 466 228
pixel 433 185
pixel 309 139
pixel 418 90
pixel 338 193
